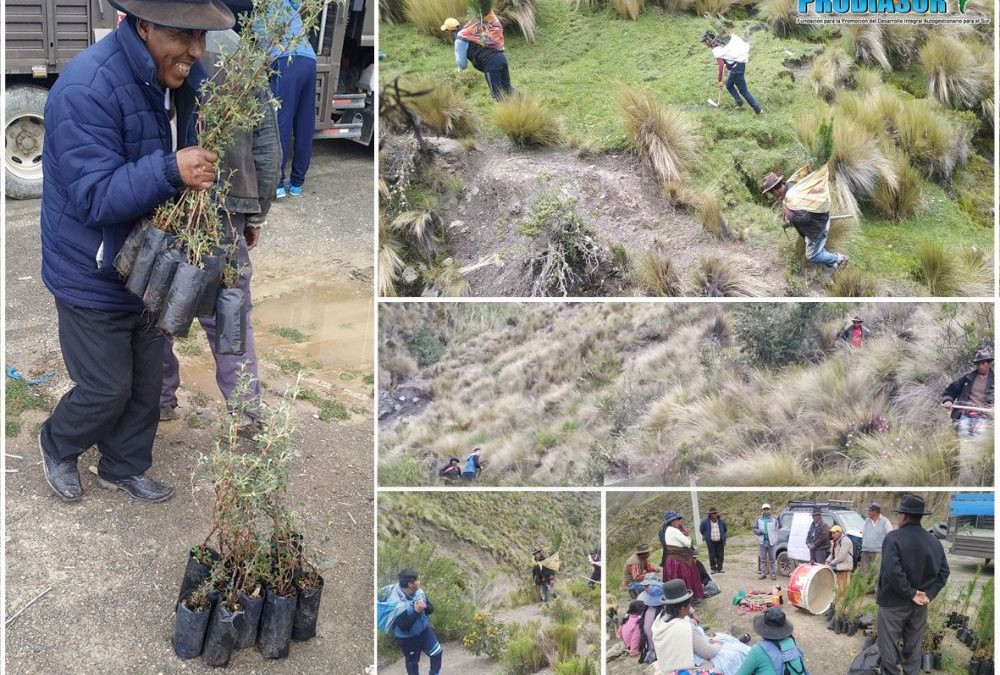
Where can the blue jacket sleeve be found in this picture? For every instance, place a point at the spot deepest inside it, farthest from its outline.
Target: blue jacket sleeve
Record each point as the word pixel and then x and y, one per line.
pixel 106 188
pixel 461 53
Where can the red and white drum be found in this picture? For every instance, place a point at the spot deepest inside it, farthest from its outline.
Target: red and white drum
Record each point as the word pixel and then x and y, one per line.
pixel 812 588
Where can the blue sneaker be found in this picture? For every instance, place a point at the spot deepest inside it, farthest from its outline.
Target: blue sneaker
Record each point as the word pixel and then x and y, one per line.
pixel 294 190
pixel 280 192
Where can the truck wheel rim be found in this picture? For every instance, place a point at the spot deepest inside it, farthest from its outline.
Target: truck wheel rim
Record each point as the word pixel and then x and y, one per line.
pixel 23 139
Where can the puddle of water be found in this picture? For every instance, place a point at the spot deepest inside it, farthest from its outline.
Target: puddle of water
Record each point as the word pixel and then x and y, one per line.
pixel 336 322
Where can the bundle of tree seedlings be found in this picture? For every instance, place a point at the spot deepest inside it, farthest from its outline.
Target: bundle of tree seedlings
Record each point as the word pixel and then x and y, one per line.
pixel 253 580
pixel 182 260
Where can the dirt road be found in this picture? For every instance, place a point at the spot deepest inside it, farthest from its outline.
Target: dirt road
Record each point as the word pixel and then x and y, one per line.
pixel 826 652
pixel 113 564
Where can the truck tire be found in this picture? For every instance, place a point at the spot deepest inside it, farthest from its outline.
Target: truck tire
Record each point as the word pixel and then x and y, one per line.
pixel 23 137
pixel 785 564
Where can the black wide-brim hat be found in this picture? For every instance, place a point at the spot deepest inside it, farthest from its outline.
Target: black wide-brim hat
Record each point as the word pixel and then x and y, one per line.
pixel 183 14
pixel 772 624
pixel 912 505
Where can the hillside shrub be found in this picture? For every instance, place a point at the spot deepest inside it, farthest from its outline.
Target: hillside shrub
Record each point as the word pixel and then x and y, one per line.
pixel 776 335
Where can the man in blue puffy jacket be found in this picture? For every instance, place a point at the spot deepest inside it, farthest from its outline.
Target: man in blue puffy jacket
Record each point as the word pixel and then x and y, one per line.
pixel 412 629
pixel 119 141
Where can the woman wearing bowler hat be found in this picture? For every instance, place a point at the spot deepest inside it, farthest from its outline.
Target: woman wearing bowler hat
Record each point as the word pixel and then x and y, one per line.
pixel 776 652
pixel 678 555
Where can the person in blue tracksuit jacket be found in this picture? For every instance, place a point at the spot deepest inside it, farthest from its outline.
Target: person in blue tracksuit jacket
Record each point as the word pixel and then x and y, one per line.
pixel 119 142
pixel 412 629
pixel 472 465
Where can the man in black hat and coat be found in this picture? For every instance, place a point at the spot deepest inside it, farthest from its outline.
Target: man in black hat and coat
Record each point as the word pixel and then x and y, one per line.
pixel 970 397
pixel 818 538
pixel 713 533
pixel 119 141
pixel 914 570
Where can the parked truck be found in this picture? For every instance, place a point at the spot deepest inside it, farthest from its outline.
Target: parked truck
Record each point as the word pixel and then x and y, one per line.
pixel 970 525
pixel 43 36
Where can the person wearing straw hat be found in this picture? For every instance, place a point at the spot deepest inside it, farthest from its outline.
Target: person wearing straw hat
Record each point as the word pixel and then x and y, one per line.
pixel 970 397
pixel 914 569
pixel 678 554
pixel 856 332
pixel 543 574
pixel 776 652
pixel 805 205
pixel 119 141
pixel 841 557
pixel 481 43
pixel 766 529
pixel 637 566
pixel 713 533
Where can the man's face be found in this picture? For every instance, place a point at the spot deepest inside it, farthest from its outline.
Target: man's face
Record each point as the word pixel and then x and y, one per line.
pixel 983 367
pixel 413 586
pixel 173 49
pixel 900 519
pixel 835 534
pixel 643 557
pixel 777 193
pixel 857 324
pixel 873 514
pixel 767 513
pixel 816 518
pixel 713 516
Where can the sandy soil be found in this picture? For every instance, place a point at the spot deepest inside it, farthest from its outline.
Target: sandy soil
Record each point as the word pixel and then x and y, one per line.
pixel 113 565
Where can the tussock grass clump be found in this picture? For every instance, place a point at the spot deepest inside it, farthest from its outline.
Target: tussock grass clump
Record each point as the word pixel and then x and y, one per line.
pixel 954 76
pixel 675 6
pixel 900 43
pixel 710 217
pixel 869 44
pixel 518 13
pixel 829 71
pixel 712 7
pixel 390 262
pixel 934 145
pixel 525 122
pixel 428 15
pixel 663 135
pixel 858 163
pixel 899 202
pixel 564 635
pixel 781 16
pixel 851 282
pixel 656 275
pixel 444 109
pixel 628 9
pixel 719 277
pixel 762 468
pixel 867 79
pixel 418 229
pixel 445 278
pixel 391 11
pixel 937 269
pixel 522 655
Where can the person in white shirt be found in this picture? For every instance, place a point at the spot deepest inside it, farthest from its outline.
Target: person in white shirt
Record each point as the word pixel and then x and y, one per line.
pixel 678 555
pixel 872 535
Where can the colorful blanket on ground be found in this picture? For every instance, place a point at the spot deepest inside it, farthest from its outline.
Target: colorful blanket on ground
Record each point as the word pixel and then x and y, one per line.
pixel 752 601
pixel 487 32
pixel 810 190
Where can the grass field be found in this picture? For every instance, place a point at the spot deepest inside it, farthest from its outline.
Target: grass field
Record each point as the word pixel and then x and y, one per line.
pixel 582 59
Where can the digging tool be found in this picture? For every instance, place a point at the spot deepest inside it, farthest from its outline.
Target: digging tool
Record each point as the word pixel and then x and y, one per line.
pixel 844 217
pixel 972 408
pixel 715 104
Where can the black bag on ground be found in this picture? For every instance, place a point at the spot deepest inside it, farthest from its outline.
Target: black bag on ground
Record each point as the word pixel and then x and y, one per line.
pixel 195 572
pixel 182 299
pixel 276 620
pixel 189 631
pixel 130 249
pixel 153 242
pixel 867 662
pixel 247 634
pixel 230 322
pixel 161 278
pixel 307 612
pixel 221 636
pixel 210 293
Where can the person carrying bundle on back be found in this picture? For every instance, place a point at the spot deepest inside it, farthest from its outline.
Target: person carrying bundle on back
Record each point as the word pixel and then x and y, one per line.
pixel 805 206
pixel 451 470
pixel 543 574
pixel 481 43
pixel 732 56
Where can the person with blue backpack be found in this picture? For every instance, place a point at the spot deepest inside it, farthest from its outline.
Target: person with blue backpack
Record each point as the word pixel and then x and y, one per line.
pixel 403 611
pixel 472 465
pixel 776 652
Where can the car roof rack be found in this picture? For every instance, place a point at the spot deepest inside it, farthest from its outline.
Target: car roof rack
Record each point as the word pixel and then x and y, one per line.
pixel 821 503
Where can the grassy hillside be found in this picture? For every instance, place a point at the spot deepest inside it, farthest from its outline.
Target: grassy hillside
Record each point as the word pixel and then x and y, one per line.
pixel 752 394
pixel 582 60
pixel 473 551
pixel 636 517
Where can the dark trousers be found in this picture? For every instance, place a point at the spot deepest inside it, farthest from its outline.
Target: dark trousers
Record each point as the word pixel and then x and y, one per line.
pixel 425 643
pixel 115 360
pixel 819 555
pixel 736 84
pixel 716 554
pixel 295 86
pixel 900 634
pixel 498 79
pixel 227 366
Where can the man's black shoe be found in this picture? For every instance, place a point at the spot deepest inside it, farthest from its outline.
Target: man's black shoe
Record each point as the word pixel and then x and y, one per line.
pixel 61 475
pixel 142 487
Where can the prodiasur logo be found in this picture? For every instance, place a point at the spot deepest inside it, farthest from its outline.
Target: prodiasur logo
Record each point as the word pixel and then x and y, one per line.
pixel 879 7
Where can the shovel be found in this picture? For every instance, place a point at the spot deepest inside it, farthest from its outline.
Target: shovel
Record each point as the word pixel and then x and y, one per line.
pixel 715 104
